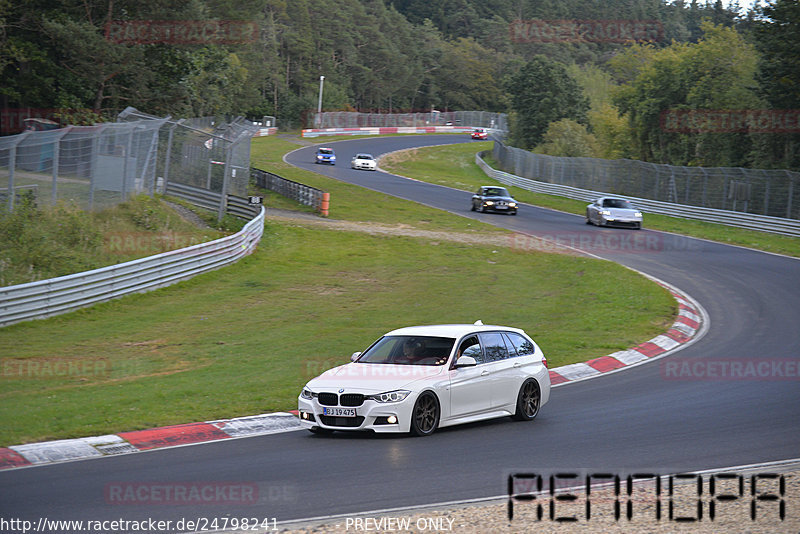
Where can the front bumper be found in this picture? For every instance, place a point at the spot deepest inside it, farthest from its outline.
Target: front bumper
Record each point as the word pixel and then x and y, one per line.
pixel 364 167
pixel 499 209
pixel 371 415
pixel 621 222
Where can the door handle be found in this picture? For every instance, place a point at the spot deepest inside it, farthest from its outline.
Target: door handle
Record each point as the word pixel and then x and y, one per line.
pixel 517 364
pixel 484 372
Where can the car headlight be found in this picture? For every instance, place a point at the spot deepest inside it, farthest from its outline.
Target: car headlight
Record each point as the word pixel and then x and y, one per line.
pixel 512 204
pixel 638 214
pixel 605 212
pixel 319 156
pixel 390 396
pixel 307 394
pixel 489 203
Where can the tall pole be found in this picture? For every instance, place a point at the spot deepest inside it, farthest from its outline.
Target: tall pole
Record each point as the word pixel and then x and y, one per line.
pixel 319 104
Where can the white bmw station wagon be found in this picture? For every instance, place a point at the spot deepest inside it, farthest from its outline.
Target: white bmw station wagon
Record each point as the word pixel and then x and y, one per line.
pixel 420 378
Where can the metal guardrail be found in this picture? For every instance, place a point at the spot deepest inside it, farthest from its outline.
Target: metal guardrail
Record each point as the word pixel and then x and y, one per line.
pixel 750 221
pixel 304 194
pixel 45 298
pixel 211 200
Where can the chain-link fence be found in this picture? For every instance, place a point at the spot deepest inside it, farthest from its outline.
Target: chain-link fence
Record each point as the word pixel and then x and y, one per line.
pixel 352 119
pixel 92 166
pixel 203 153
pixel 98 166
pixel 764 192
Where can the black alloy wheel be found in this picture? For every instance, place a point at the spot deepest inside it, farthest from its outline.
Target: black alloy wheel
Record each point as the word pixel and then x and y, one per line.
pixel 528 401
pixel 425 417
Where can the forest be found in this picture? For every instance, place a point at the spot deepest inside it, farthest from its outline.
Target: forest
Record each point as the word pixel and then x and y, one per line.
pixel 576 76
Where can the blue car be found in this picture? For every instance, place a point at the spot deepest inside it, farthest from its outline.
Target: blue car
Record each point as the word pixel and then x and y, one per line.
pixel 326 155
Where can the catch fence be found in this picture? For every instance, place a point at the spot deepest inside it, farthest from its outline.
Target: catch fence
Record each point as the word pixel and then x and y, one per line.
pixel 773 193
pixel 353 119
pixel 98 166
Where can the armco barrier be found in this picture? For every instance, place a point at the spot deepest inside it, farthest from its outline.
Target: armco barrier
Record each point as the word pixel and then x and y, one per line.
pixel 46 298
pixel 750 221
pixel 211 200
pixel 301 193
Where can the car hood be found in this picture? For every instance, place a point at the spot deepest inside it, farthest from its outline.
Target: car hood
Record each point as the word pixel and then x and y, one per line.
pixel 373 377
pixel 507 199
pixel 621 212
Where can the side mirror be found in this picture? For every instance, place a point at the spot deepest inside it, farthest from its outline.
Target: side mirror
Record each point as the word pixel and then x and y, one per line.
pixel 466 361
pixel 355 356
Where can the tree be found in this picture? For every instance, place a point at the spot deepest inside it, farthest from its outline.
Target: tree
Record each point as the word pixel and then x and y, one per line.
pixel 469 77
pixel 716 73
pixel 568 138
pixel 778 40
pixel 542 92
pixel 612 131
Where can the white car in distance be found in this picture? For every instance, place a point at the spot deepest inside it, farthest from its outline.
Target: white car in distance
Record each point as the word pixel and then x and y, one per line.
pixel 364 161
pixel 420 378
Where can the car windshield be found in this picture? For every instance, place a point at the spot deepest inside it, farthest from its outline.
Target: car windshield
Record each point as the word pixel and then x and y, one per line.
pixel 409 350
pixel 363 156
pixel 617 203
pixel 326 151
pixel 495 192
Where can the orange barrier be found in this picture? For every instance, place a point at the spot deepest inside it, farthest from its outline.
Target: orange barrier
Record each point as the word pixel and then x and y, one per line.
pixel 326 200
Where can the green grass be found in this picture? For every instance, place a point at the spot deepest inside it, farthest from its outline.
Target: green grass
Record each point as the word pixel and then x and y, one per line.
pixel 353 203
pixel 40 243
pixel 455 167
pixel 244 339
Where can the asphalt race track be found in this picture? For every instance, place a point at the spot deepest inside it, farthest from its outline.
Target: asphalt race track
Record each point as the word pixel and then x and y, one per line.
pixel 639 419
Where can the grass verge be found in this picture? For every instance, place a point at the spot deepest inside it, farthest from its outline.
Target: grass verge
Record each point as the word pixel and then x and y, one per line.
pixel 244 339
pixel 41 243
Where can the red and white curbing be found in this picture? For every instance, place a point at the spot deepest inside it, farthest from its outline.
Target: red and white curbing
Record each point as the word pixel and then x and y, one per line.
pixel 315 132
pixel 144 440
pixel 691 323
pixel 263 132
pixel 689 326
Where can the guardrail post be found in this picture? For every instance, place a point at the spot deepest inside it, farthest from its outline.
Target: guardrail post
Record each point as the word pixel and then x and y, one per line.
pixel 12 162
pixel 56 158
pixel 791 193
pixel 168 155
pixel 223 200
pixel 125 162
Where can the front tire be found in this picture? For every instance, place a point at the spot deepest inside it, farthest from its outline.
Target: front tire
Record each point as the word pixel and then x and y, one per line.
pixel 425 417
pixel 528 401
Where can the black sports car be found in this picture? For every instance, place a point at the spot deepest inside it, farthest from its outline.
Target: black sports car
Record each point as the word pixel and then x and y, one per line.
pixel 494 198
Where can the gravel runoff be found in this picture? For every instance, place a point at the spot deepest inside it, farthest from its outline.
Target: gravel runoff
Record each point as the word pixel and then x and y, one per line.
pixel 731 516
pixel 513 240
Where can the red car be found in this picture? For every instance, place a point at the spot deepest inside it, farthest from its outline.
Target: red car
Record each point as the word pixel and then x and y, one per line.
pixel 480 134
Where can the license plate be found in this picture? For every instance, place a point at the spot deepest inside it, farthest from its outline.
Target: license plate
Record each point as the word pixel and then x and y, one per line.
pixel 340 412
pixel 502 207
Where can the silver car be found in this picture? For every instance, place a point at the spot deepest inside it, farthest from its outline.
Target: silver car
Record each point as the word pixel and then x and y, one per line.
pixel 613 211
